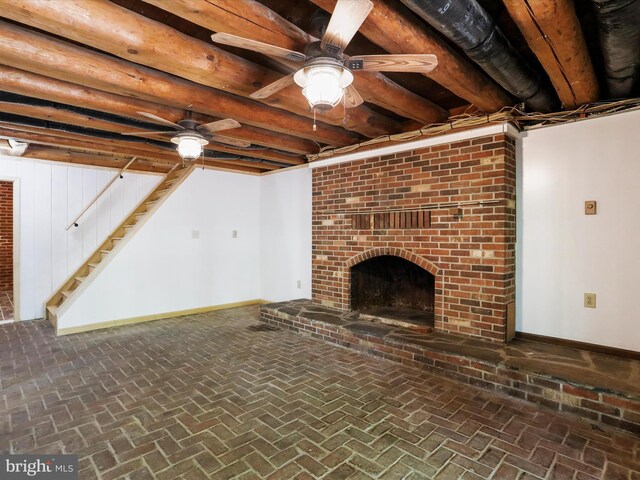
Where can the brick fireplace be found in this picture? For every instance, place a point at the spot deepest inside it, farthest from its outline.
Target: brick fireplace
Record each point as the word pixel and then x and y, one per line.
pixel 447 209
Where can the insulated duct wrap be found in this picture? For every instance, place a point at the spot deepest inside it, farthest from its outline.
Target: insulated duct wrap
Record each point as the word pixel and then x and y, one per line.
pixel 619 25
pixel 468 25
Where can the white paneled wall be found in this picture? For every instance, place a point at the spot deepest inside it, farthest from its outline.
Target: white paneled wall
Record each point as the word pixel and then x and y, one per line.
pixel 50 196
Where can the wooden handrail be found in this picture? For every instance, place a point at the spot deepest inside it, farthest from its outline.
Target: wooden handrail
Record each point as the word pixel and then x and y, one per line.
pixel 74 223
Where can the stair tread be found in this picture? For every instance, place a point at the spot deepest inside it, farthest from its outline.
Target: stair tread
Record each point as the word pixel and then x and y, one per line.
pixel 92 265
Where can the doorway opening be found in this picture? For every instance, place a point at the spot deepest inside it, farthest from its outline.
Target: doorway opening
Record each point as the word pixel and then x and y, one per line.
pixel 6 251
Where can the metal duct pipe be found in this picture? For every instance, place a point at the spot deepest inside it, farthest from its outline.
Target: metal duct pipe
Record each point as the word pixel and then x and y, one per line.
pixel 619 25
pixel 467 24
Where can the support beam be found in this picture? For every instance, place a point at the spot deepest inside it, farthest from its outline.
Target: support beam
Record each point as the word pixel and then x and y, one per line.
pixel 121 32
pixel 24 49
pixel 79 158
pixel 253 20
pixel 33 85
pixel 81 120
pixel 397 30
pixel 553 32
pixel 57 138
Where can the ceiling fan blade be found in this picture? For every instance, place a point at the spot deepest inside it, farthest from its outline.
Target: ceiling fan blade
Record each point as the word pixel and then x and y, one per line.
pixel 256 46
pixel 144 134
pixel 229 141
pixel 274 87
pixel 160 120
pixel 351 97
pixel 226 124
pixel 347 17
pixel 418 63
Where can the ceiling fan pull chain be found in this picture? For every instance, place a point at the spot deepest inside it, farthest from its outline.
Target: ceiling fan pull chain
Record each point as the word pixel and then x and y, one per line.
pixel 314 119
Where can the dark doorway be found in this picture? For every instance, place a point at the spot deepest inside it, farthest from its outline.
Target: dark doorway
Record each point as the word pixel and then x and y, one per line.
pixel 389 286
pixel 6 250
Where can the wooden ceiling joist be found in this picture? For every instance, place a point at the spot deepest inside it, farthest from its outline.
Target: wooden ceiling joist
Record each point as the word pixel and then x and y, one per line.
pixel 33 85
pixel 553 32
pixel 24 49
pixel 147 42
pixel 397 30
pixel 81 158
pixel 256 21
pixel 62 139
pixel 82 120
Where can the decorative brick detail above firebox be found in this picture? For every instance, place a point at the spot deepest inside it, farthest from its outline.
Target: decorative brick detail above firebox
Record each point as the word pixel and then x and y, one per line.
pixel 468 243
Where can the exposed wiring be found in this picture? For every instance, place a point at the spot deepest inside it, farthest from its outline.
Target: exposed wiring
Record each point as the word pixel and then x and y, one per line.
pixel 521 119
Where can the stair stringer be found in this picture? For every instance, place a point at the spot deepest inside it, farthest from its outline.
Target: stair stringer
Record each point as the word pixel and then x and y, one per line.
pixel 53 313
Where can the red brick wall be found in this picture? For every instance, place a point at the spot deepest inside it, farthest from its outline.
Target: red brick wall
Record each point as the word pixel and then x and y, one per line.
pixel 472 256
pixel 6 236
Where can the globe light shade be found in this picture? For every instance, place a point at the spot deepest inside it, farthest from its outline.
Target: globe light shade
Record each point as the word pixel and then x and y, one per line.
pixel 323 86
pixel 189 146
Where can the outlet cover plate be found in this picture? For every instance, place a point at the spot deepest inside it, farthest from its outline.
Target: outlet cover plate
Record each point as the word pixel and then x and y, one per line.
pixel 590 300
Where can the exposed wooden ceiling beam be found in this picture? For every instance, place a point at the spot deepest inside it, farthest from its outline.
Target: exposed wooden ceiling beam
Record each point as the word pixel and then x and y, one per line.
pixel 80 158
pixel 69 149
pixel 38 86
pixel 59 138
pixel 397 30
pixel 82 120
pixel 553 32
pixel 24 49
pixel 254 20
pixel 128 35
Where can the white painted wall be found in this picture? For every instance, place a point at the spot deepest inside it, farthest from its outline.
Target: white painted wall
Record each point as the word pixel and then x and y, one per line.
pixel 562 252
pixel 50 196
pixel 163 268
pixel 285 248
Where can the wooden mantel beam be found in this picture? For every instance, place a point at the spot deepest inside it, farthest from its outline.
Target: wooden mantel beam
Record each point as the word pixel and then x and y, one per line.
pixel 253 20
pixel 38 86
pixel 128 35
pixel 38 53
pixel 397 30
pixel 553 32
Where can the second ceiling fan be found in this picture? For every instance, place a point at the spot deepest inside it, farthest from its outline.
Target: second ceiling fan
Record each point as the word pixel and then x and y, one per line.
pixel 326 76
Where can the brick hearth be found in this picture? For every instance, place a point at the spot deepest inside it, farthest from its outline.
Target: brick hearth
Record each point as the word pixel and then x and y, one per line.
pixel 469 249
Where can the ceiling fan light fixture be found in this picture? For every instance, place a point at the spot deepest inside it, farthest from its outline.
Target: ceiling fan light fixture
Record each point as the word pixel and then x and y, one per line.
pixel 189 146
pixel 323 85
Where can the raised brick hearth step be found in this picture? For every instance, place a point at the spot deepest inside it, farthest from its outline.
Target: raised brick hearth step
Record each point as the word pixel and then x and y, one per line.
pixel 600 388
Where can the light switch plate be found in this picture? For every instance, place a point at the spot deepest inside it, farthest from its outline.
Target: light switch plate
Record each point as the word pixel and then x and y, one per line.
pixel 590 207
pixel 590 300
pixel 195 234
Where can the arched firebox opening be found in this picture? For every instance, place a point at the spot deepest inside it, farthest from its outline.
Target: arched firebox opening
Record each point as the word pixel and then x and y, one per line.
pixel 392 287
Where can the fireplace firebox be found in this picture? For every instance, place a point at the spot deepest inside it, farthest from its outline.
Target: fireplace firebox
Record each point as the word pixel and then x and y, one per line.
pixel 391 287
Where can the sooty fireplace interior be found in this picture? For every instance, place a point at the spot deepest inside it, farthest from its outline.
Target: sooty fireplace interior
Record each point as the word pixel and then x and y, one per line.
pixel 391 287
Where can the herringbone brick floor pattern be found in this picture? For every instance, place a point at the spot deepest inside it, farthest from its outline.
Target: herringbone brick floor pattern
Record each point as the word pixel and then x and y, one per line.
pixel 218 396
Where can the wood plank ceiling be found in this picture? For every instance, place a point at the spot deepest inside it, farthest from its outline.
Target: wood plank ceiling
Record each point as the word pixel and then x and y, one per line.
pixel 75 73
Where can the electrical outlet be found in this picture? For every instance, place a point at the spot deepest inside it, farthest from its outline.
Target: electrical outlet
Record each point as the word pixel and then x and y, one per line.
pixel 195 234
pixel 299 284
pixel 234 234
pixel 590 300
pixel 590 207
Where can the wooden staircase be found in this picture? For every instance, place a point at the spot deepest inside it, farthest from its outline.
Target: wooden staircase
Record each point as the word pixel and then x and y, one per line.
pixel 90 269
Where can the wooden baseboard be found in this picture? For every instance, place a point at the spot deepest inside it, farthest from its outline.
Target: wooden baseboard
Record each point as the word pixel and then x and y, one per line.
pixel 591 347
pixel 155 316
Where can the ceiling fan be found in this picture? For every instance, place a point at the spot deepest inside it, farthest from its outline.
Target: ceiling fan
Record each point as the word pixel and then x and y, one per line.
pixel 191 136
pixel 326 76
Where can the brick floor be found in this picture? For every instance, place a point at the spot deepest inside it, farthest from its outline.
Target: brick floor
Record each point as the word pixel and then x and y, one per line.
pixel 6 305
pixel 219 396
